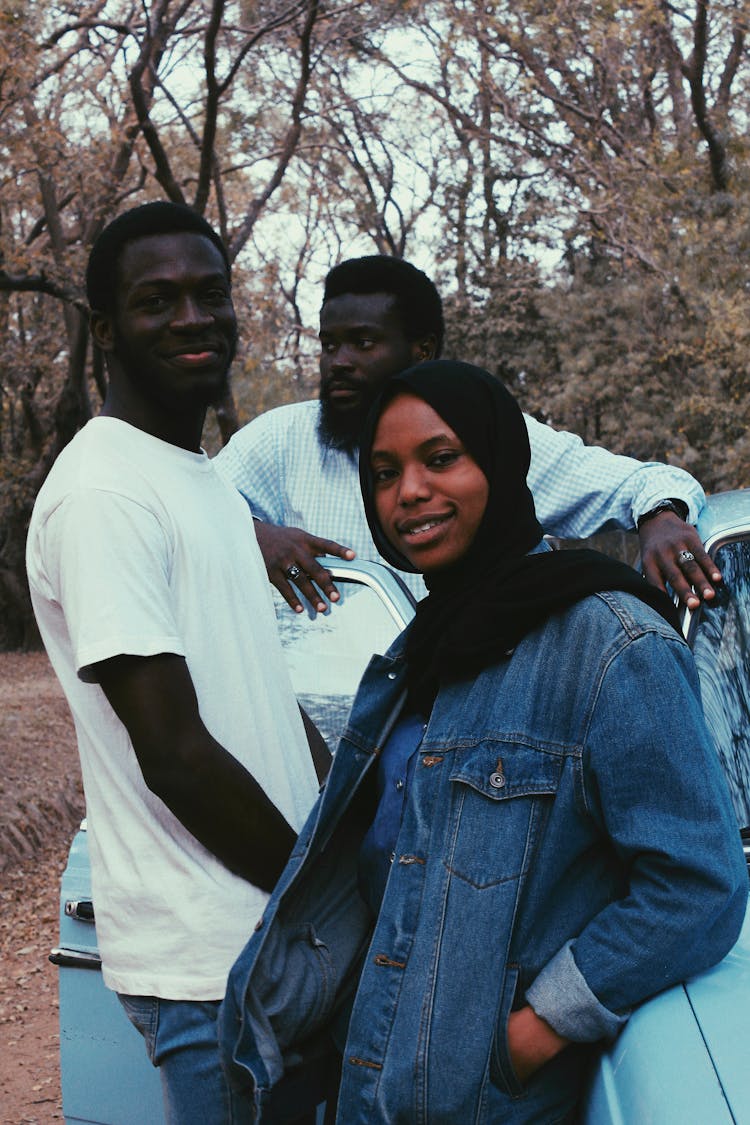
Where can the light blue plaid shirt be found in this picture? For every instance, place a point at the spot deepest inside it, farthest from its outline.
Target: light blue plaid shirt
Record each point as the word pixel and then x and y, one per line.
pixel 289 478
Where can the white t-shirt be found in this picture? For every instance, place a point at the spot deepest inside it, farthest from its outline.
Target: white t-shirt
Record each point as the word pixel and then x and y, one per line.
pixel 139 547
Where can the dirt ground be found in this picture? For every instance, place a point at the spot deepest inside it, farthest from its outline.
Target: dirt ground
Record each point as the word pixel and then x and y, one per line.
pixel 41 804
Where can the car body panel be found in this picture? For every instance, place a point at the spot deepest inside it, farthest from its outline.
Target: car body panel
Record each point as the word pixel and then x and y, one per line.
pixel 724 515
pixel 719 999
pixel 628 1088
pixel 105 1074
pixel 696 1032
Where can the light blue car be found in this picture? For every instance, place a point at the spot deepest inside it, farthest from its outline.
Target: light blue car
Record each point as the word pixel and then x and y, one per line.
pixel 682 1058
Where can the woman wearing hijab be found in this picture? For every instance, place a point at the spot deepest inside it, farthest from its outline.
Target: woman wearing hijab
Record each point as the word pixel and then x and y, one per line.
pixel 525 832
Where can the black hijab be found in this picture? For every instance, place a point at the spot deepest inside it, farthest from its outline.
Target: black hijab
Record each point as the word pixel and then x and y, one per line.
pixel 479 609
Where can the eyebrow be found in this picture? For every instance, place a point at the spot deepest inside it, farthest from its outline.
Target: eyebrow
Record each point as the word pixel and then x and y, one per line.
pixel 206 279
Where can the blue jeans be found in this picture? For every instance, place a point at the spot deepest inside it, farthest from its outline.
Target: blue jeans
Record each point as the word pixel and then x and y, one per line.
pixel 181 1040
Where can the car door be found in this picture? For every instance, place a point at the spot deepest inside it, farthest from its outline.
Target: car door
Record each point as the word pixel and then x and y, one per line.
pixel 327 653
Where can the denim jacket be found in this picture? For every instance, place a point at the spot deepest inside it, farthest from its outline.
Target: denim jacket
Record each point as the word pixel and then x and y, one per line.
pixel 568 842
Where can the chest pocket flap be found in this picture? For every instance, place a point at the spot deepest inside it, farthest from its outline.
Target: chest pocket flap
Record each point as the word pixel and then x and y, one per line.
pixel 501 770
pixel 500 794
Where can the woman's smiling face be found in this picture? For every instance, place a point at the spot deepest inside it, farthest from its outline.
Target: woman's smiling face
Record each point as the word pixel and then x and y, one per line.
pixel 429 492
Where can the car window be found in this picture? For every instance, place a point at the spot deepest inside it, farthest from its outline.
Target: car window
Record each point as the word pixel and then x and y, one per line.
pixel 328 653
pixel 721 645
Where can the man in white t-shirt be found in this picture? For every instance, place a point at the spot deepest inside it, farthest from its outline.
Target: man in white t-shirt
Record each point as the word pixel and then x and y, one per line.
pixel 153 603
pixel 297 465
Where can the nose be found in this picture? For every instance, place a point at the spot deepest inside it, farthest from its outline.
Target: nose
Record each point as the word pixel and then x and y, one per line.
pixel 189 314
pixel 340 359
pixel 414 485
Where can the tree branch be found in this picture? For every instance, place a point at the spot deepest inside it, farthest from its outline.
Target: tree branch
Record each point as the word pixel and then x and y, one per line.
pixel 38 283
pixel 694 70
pixel 208 145
pixel 291 139
pixel 147 65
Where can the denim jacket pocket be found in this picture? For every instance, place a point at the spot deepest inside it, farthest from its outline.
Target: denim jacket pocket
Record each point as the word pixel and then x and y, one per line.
pixel 500 794
pixel 292 990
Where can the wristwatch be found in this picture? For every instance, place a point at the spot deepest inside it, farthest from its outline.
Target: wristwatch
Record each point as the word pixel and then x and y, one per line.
pixel 679 507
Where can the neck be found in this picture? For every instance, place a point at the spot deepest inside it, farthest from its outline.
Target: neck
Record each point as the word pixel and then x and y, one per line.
pixel 181 428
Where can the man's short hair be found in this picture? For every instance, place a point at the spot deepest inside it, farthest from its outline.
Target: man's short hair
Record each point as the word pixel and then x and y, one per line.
pixel 417 300
pixel 160 217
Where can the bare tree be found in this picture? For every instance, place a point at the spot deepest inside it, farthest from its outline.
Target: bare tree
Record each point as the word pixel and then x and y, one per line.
pixel 103 107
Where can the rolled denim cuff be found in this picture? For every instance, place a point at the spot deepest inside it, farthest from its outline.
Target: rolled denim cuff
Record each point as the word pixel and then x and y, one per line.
pixel 561 996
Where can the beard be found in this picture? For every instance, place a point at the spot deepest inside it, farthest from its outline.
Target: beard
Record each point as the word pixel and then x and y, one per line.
pixel 341 429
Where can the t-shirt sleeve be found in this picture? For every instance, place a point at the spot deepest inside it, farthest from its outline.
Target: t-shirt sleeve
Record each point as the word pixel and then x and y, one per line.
pixel 108 563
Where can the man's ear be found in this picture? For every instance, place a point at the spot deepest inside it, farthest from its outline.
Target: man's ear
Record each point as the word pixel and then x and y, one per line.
pixel 102 330
pixel 424 349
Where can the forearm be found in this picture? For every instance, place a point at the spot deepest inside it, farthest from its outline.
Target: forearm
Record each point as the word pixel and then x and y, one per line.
pixel 637 947
pixel 206 788
pixel 627 954
pixel 580 490
pixel 654 786
pixel 224 807
pixel 654 790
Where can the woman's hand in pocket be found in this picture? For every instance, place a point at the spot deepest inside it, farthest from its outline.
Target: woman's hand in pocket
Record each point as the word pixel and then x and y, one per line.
pixel 531 1042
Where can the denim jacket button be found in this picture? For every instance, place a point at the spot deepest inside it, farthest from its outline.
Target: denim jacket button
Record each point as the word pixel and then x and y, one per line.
pixel 391 675
pixel 497 780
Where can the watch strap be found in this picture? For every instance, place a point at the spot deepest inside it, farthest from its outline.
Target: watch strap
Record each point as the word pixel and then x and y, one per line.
pixel 679 507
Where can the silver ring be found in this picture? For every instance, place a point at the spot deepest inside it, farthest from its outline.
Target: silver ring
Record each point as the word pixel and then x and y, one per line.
pixel 293 572
pixel 685 557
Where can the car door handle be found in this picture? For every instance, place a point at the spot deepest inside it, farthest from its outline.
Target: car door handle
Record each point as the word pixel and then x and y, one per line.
pixel 80 909
pixel 66 958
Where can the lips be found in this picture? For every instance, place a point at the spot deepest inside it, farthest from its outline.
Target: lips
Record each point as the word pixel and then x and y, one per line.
pixel 196 355
pixel 418 528
pixel 341 389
